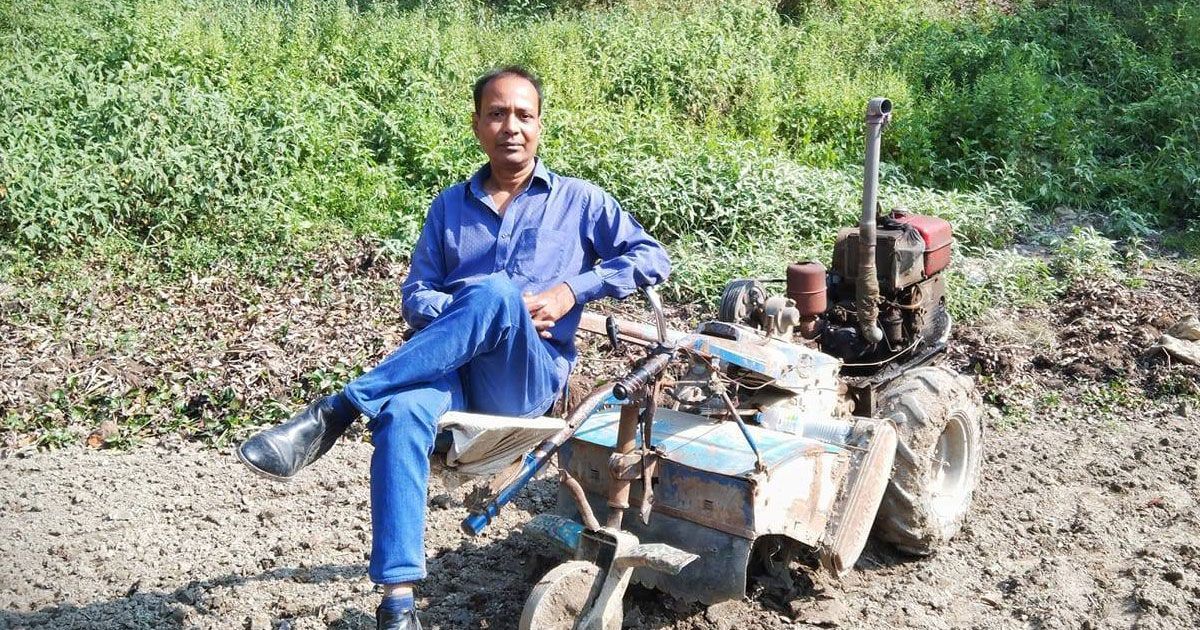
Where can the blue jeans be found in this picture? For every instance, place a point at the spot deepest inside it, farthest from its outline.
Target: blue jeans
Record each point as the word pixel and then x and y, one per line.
pixel 481 354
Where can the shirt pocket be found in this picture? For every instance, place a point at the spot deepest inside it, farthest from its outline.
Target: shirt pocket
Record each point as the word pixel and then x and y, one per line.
pixel 541 255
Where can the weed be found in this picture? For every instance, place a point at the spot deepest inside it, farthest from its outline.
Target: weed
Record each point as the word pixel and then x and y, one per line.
pixel 1085 253
pixel 1050 399
pixel 998 278
pixel 1110 398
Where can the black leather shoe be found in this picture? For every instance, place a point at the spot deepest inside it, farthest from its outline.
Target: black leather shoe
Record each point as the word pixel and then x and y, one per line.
pixel 388 620
pixel 280 452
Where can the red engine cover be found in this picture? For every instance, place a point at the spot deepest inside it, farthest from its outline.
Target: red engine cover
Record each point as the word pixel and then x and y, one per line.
pixel 936 233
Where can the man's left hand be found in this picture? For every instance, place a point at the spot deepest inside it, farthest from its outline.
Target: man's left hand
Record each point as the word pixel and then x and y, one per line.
pixel 549 306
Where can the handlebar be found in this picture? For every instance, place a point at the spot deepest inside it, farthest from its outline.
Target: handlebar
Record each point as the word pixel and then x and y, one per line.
pixel 660 319
pixel 640 377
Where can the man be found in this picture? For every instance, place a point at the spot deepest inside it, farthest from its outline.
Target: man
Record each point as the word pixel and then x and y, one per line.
pixel 500 274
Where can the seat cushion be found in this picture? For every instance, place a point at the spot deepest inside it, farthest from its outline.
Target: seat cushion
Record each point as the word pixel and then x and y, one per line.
pixel 483 444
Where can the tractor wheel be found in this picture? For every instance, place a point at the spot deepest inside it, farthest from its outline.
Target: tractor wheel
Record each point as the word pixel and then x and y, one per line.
pixel 937 415
pixel 558 599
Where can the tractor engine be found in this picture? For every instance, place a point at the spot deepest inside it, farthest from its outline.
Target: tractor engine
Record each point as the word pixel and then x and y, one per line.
pixel 911 252
pixel 882 301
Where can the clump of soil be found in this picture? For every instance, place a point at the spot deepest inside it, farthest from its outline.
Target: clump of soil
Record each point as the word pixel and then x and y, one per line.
pixel 1101 331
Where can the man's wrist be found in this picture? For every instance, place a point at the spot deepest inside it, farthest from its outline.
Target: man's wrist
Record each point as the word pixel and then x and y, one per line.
pixel 574 297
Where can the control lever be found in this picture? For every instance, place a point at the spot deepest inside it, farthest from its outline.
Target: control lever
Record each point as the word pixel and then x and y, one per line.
pixel 613 329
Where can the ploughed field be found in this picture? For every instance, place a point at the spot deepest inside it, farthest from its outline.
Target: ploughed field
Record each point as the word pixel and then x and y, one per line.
pixel 1088 513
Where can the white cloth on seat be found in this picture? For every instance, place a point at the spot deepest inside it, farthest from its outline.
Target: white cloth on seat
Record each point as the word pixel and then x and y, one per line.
pixel 484 444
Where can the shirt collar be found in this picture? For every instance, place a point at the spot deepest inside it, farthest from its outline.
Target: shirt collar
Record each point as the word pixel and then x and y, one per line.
pixel 540 172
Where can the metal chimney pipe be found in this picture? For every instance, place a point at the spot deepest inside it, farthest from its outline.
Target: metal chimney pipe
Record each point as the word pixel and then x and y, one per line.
pixel 879 111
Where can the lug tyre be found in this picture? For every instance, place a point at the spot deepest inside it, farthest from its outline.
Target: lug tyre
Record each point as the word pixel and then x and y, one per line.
pixel 938 456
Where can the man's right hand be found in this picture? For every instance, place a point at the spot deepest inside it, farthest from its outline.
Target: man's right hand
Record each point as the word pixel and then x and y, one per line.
pixel 549 306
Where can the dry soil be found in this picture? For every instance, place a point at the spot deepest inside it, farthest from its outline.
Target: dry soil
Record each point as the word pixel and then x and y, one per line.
pixel 1087 514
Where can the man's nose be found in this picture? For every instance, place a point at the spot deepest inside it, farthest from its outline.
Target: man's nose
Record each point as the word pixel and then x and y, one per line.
pixel 510 124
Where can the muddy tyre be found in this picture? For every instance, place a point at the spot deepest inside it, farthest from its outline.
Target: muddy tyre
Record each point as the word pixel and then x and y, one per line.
pixel 938 423
pixel 558 599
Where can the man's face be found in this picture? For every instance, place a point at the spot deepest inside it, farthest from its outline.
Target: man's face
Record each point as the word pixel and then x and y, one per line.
pixel 508 123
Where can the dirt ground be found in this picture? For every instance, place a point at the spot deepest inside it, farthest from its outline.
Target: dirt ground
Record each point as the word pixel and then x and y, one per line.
pixel 1087 515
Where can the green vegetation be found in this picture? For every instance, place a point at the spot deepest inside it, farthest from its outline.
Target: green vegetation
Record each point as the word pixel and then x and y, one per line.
pixel 148 140
pixel 199 130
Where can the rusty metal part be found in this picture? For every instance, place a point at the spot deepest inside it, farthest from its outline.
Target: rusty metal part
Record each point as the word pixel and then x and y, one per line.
pixel 708 497
pixel 706 475
pixel 627 466
pixel 649 466
pixel 893 326
pixel 618 489
pixel 879 111
pixel 806 287
pixel 649 459
pixel 898 257
pixel 720 572
pixel 627 329
pixel 585 509
pixel 870 468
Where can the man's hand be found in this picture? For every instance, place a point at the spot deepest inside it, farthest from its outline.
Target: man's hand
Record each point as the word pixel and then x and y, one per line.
pixel 548 306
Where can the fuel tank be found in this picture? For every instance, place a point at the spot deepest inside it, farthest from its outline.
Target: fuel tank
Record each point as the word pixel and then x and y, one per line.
pixel 909 248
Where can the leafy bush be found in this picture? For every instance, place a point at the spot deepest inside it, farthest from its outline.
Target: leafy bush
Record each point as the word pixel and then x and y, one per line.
pixel 199 128
pixel 1087 105
pixel 203 129
pixel 998 278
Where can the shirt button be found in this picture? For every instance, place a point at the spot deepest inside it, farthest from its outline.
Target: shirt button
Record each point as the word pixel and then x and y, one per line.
pixel 504 237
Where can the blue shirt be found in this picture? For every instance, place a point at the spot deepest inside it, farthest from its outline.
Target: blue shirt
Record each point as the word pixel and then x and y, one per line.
pixel 559 229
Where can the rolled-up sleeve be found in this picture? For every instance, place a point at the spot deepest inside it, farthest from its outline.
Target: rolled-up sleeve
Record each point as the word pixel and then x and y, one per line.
pixel 629 257
pixel 422 292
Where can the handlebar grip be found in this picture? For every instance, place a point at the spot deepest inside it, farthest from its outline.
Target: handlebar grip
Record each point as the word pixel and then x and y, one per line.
pixel 641 376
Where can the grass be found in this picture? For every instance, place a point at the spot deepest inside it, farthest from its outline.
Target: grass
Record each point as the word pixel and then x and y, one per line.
pixel 203 130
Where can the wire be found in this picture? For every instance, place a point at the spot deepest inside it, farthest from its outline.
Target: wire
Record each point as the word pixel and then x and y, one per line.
pixel 914 344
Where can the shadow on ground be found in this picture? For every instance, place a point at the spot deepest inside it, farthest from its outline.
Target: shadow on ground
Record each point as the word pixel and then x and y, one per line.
pixel 169 610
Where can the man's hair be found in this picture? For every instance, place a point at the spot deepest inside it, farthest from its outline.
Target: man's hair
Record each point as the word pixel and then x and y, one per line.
pixel 506 71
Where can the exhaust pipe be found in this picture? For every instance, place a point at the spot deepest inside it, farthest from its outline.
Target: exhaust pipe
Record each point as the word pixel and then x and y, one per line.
pixel 879 111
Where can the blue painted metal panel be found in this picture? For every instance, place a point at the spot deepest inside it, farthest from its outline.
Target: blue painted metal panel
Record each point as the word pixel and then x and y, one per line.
pixel 787 364
pixel 711 445
pixel 562 532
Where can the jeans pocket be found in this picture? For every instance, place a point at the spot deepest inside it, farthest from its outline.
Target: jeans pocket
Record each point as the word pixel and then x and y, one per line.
pixel 541 255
